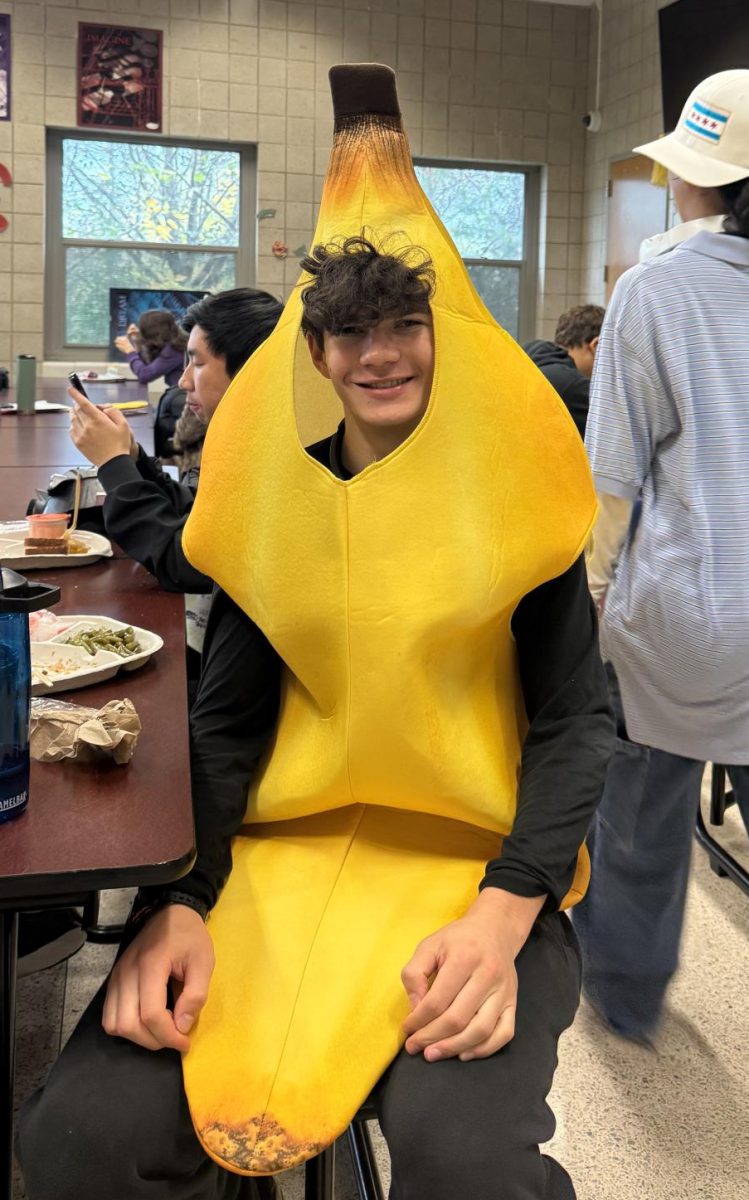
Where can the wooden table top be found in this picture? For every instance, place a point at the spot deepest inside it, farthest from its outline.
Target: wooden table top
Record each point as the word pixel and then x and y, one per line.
pixel 97 826
pixel 42 439
pixel 54 391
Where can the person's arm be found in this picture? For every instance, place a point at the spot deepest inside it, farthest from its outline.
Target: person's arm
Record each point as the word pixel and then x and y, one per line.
pixel 633 409
pixel 146 372
pixel 181 495
pixel 463 977
pixel 609 534
pixel 146 518
pixel 569 740
pixel 231 724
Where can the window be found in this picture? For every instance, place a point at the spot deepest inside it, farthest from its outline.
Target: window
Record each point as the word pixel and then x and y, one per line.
pixel 491 213
pixel 126 212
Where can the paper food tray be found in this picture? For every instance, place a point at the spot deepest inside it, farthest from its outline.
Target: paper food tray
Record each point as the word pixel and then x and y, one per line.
pixel 79 668
pixel 13 553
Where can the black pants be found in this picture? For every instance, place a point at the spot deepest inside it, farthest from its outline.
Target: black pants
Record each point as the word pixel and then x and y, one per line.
pixel 112 1120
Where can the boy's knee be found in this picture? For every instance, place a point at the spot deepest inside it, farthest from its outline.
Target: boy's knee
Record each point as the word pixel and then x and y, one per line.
pixel 80 1138
pixel 51 1149
pixel 481 1159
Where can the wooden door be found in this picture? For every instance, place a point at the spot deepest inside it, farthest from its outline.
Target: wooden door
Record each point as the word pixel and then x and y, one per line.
pixel 636 210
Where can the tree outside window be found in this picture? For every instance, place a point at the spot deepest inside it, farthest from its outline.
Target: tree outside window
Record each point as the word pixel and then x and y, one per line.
pixel 133 213
pixel 485 211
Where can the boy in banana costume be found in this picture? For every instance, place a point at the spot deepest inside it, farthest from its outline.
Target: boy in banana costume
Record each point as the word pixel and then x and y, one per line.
pixel 400 737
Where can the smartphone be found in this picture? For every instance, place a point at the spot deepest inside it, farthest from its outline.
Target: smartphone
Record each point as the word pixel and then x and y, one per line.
pixel 75 381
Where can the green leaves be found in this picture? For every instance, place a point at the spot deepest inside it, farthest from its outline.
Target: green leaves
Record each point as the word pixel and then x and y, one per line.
pixel 114 191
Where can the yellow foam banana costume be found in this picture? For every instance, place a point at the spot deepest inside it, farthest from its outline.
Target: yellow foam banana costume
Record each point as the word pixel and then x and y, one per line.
pixel 393 772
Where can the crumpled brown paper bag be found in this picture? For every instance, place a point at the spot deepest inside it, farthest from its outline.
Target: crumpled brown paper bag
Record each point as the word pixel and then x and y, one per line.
pixel 59 730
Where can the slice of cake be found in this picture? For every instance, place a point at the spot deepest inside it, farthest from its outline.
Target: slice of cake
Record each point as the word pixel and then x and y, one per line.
pixel 35 545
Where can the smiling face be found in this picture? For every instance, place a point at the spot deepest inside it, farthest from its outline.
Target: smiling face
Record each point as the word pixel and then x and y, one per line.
pixel 205 378
pixel 382 373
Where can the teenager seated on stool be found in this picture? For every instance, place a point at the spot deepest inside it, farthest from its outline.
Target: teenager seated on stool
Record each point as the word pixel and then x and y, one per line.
pixel 463 1103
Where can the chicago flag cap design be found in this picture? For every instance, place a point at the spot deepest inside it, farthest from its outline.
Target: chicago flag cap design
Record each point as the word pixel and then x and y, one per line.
pixel 710 145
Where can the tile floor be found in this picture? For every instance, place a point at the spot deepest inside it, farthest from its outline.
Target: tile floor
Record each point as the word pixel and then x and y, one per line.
pixel 670 1125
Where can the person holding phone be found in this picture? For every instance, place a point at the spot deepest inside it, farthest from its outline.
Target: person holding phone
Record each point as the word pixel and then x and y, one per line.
pixel 145 510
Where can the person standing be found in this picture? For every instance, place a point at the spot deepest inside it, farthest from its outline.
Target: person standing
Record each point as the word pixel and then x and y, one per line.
pixel 669 430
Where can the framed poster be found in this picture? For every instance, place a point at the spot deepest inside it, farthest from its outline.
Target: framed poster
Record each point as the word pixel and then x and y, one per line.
pixel 127 304
pixel 4 67
pixel 119 77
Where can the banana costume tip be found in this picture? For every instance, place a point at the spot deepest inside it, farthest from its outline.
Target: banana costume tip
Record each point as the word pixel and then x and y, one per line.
pixel 363 89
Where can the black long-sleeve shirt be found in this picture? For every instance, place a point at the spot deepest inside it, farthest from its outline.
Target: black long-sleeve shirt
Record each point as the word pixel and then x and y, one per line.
pixel 145 512
pixel 568 744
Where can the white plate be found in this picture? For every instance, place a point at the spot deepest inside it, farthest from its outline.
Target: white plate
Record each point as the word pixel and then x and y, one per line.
pixel 56 668
pixel 92 668
pixel 13 553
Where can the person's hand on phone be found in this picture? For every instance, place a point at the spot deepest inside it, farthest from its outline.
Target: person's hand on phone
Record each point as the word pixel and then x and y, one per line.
pixel 99 433
pixel 124 344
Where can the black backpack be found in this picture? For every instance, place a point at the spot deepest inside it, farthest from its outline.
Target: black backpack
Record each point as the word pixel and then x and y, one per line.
pixel 170 405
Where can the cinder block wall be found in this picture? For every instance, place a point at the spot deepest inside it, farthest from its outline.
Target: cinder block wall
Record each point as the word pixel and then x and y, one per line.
pixel 632 114
pixel 485 79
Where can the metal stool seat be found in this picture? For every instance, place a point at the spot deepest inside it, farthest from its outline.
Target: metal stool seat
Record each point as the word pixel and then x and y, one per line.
pixel 319 1173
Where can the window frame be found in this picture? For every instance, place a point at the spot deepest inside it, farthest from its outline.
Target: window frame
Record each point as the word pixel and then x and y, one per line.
pixel 528 264
pixel 55 346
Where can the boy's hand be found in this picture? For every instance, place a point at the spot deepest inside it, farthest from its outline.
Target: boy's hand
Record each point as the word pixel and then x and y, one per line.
pixel 468 1009
pixel 174 944
pixel 99 433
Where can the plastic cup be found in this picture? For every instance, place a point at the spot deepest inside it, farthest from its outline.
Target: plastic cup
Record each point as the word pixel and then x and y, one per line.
pixel 48 525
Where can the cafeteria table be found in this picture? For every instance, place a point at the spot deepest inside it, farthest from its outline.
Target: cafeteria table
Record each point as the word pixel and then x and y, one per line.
pixel 54 391
pixel 93 826
pixel 42 439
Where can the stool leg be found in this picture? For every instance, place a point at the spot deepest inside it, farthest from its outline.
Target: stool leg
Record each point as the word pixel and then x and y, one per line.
pixel 365 1165
pixel 319 1176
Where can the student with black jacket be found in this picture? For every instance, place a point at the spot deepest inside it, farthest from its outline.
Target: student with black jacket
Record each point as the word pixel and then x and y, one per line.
pixel 145 510
pixel 567 362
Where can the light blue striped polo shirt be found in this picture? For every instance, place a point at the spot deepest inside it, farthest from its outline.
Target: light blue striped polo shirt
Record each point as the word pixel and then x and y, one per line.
pixel 669 422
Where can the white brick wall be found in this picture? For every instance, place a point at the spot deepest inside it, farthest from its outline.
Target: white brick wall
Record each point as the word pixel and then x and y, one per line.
pixel 632 114
pixel 486 79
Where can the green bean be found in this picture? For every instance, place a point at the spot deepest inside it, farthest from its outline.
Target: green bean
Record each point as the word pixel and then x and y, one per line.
pixel 116 641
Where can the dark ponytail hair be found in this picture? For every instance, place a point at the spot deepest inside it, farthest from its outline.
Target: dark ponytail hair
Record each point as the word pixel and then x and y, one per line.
pixel 736 196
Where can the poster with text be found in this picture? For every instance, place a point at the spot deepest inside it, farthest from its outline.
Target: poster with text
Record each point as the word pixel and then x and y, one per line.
pixel 127 304
pixel 4 67
pixel 119 77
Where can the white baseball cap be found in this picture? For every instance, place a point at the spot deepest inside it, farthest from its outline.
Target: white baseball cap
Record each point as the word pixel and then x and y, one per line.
pixel 710 145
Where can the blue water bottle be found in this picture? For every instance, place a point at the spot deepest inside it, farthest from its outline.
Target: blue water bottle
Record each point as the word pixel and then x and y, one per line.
pixel 18 598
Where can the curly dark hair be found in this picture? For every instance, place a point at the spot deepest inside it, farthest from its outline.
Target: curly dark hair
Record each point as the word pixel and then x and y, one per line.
pixel 580 325
pixel 355 280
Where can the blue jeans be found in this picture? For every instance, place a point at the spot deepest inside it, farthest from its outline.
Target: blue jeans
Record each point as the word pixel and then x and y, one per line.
pixel 630 922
